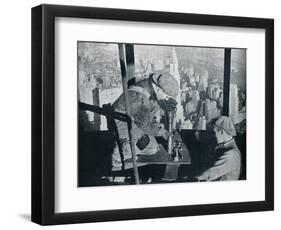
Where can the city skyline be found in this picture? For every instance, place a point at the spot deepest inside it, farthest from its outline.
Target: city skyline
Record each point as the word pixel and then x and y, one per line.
pixel 199 72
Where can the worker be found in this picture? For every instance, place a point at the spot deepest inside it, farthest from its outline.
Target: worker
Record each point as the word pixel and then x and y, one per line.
pixel 146 99
pixel 224 163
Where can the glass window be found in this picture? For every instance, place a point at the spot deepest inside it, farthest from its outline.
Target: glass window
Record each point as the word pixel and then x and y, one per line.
pixel 237 89
pixel 99 79
pixel 199 71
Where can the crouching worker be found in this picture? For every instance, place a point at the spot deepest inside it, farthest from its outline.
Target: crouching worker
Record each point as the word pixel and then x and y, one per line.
pixel 225 161
pixel 145 99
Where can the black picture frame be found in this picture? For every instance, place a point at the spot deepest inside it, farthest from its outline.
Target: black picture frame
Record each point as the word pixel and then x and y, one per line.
pixel 43 113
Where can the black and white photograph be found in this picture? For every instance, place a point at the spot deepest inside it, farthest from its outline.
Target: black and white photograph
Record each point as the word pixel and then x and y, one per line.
pixel 142 114
pixel 153 114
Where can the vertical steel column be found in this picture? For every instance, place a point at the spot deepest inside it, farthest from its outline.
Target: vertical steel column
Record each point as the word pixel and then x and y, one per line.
pixel 126 56
pixel 226 81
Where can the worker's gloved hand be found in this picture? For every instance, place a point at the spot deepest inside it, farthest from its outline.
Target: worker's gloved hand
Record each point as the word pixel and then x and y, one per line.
pixel 162 132
pixel 143 142
pixel 169 105
pixel 167 134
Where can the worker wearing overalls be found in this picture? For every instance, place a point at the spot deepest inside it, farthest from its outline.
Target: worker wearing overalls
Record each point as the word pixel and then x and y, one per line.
pixel 144 97
pixel 224 163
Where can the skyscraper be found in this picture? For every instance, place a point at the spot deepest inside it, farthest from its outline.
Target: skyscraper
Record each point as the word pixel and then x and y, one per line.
pixel 233 103
pixel 203 82
pixel 86 86
pixel 174 71
pixel 211 110
pixel 189 107
pixel 214 91
pixel 195 98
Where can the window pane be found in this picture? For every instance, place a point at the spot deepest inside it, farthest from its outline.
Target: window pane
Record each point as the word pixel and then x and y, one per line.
pixel 99 79
pixel 237 94
pixel 199 71
pixel 202 84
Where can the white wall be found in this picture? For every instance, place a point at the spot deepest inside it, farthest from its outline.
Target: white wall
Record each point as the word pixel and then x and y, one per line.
pixel 15 113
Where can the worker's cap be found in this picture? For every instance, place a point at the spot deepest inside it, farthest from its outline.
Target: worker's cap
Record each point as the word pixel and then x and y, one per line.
pixel 167 83
pixel 225 124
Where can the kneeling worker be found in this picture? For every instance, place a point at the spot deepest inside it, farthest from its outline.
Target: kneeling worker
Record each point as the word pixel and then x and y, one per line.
pixel 226 160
